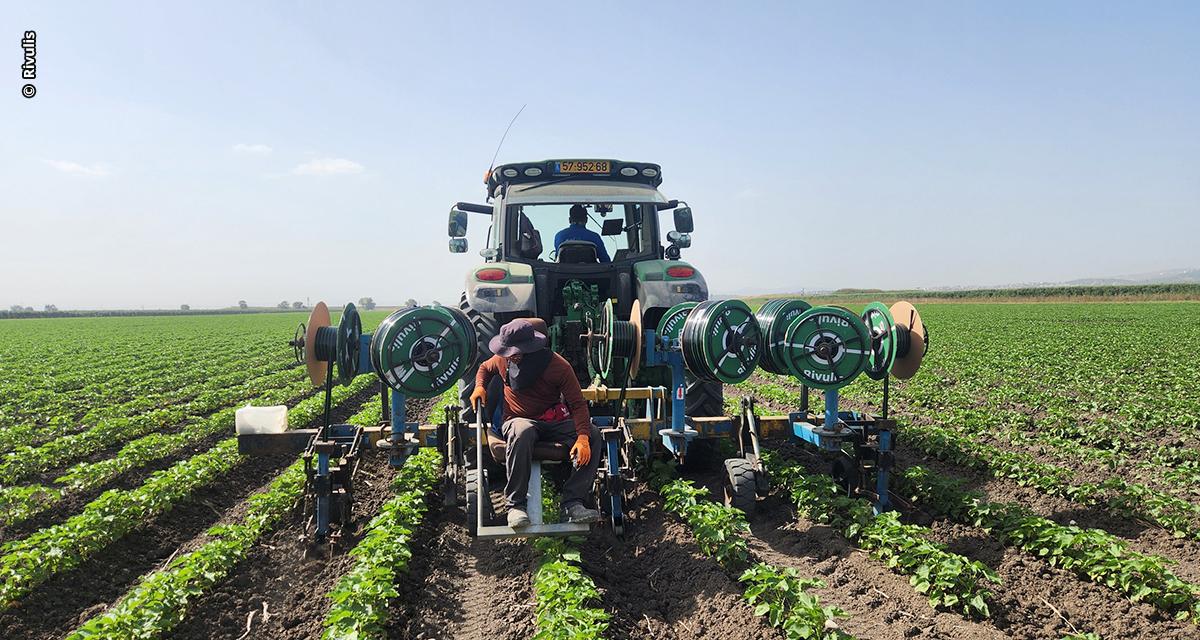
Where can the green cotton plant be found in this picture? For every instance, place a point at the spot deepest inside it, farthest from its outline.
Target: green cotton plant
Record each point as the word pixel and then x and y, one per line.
pixel 717 528
pixel 563 592
pixel 360 597
pixel 781 596
pixel 1090 553
pixel 947 579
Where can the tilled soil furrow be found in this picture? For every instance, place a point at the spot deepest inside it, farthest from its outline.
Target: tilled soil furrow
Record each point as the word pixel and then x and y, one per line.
pixel 57 606
pixel 658 584
pixel 460 587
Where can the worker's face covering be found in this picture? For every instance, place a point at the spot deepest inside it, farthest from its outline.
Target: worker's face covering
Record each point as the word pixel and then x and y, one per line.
pixel 533 365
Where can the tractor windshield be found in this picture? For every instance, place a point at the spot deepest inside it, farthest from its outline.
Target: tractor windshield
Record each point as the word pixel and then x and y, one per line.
pixel 617 230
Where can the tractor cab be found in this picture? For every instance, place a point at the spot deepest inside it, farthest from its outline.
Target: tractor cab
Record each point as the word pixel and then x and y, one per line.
pixel 566 235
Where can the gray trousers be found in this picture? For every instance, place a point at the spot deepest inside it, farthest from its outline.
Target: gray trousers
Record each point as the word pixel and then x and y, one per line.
pixel 519 436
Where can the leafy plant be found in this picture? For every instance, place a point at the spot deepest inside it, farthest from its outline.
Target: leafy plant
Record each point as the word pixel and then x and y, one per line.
pixel 781 595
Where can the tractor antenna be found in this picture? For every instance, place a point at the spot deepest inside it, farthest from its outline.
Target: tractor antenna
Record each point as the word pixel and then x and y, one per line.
pixel 510 124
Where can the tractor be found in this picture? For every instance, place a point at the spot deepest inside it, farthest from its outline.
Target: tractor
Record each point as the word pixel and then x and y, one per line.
pixel 576 244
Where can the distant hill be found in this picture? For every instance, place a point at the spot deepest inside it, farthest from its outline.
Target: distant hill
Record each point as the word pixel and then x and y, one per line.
pixel 1170 276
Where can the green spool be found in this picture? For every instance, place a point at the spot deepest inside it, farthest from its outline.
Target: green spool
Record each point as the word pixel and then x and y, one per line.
pixel 884 340
pixel 774 317
pixel 671 324
pixel 616 346
pixel 423 351
pixel 827 347
pixel 349 343
pixel 721 341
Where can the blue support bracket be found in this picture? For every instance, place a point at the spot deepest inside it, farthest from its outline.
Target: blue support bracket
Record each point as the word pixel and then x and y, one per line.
pixel 663 351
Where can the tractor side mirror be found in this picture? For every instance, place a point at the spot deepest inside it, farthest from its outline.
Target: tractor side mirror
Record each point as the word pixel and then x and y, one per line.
pixel 458 224
pixel 458 245
pixel 681 240
pixel 683 220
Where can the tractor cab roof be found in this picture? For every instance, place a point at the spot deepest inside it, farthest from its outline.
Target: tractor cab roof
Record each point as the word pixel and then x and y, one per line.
pixel 574 171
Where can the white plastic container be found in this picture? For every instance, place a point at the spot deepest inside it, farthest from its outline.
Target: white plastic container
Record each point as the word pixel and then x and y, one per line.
pixel 250 420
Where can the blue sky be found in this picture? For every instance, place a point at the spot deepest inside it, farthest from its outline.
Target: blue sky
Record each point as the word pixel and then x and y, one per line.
pixel 205 153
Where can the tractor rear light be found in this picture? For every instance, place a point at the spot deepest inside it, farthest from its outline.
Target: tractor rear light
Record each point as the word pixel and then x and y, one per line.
pixel 491 275
pixel 681 272
pixel 629 172
pixel 533 172
pixel 649 172
pixel 510 173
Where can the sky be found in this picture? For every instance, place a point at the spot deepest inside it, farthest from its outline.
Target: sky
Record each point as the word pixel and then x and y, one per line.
pixel 205 153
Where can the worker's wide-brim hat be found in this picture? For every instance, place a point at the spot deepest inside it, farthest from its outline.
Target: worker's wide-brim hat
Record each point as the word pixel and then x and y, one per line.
pixel 516 337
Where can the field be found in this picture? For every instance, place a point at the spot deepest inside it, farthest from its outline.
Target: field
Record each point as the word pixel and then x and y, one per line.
pixel 1049 459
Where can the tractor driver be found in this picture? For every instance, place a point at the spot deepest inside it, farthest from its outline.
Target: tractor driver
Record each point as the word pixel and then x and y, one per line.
pixel 576 231
pixel 536 383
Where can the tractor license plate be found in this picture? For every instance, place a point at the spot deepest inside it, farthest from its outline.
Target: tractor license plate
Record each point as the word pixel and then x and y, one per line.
pixel 581 166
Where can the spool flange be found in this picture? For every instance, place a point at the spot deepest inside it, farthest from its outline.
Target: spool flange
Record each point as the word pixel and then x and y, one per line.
pixel 881 329
pixel 911 340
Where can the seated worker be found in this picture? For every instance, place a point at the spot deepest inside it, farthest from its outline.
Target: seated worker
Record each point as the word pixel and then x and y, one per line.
pixel 577 231
pixel 535 379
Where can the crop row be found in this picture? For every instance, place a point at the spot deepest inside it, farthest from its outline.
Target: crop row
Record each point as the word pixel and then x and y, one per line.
pixel 1091 553
pixel 360 596
pixel 31 434
pixel 781 595
pixel 25 461
pixel 563 590
pixel 161 600
pixel 22 502
pixel 1116 495
pixel 55 549
pixel 946 578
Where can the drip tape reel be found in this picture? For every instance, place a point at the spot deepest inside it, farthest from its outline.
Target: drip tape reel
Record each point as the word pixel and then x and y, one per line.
pixel 721 341
pixel 774 317
pixel 827 347
pixel 423 351
pixel 318 343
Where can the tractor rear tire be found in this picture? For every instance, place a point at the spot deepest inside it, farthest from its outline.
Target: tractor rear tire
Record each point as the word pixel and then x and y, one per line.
pixel 703 400
pixel 473 503
pixel 486 328
pixel 740 491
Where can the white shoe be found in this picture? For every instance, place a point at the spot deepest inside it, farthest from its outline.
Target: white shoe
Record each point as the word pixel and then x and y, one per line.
pixel 517 518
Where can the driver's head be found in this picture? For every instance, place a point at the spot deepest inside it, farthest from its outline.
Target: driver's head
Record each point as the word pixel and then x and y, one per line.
pixel 578 214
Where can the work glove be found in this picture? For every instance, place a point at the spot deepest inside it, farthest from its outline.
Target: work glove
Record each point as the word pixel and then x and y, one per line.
pixel 477 395
pixel 582 451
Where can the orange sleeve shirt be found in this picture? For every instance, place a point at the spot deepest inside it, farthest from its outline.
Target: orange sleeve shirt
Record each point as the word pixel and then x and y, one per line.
pixel 557 381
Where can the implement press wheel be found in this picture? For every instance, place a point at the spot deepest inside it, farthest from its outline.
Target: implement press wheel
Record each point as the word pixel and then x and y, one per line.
pixel 473 476
pixel 740 490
